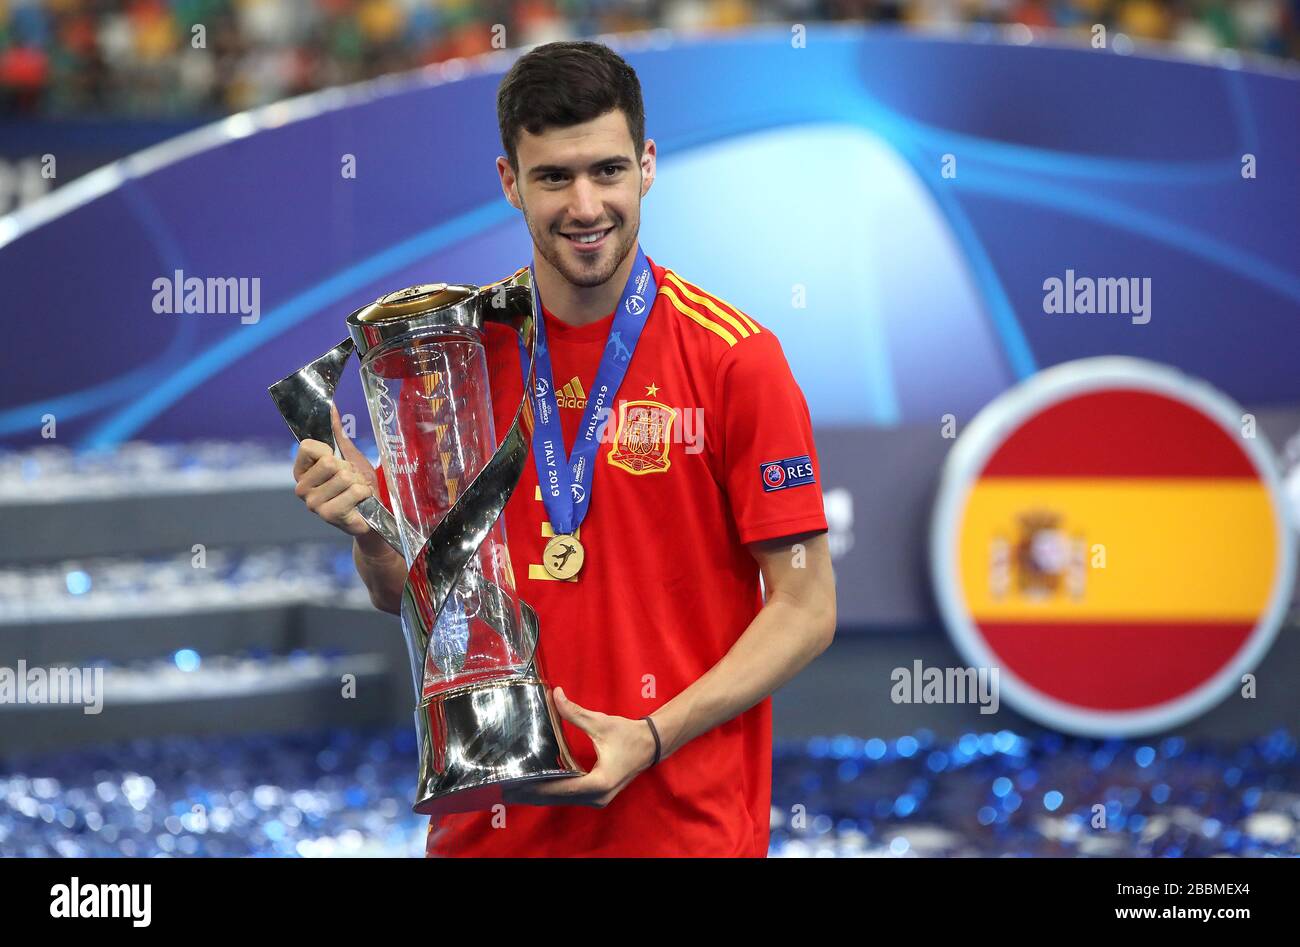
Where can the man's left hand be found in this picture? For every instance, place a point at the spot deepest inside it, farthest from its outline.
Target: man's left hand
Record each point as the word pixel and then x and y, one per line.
pixel 624 747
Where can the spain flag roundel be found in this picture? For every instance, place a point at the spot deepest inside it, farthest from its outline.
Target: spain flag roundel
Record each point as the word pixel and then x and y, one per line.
pixel 1111 536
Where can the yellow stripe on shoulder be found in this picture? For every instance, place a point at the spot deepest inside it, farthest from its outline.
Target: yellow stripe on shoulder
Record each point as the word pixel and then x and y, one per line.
pixel 700 299
pixel 695 316
pixel 715 304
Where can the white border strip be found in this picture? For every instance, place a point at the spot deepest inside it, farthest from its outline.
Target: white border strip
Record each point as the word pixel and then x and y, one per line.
pixel 101 181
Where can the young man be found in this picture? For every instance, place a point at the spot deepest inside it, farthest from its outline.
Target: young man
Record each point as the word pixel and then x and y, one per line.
pixel 661 649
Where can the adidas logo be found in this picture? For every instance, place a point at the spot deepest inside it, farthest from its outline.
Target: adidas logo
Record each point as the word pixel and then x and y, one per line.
pixel 572 395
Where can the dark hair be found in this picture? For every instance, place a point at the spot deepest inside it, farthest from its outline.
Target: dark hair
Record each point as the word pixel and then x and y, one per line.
pixel 568 83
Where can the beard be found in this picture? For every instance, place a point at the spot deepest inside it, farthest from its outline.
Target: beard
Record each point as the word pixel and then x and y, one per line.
pixel 586 273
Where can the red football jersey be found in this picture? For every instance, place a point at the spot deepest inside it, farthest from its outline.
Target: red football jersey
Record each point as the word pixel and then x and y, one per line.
pixel 710 447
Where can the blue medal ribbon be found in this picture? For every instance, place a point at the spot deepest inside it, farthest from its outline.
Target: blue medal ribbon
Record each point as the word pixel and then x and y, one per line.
pixel 566 508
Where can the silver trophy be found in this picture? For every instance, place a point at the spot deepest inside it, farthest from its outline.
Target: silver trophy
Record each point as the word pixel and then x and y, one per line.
pixel 484 716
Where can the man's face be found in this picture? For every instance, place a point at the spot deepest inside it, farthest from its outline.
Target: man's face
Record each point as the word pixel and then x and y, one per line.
pixel 581 181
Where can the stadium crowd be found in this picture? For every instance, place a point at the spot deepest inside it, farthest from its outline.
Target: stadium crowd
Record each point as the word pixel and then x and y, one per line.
pixel 191 57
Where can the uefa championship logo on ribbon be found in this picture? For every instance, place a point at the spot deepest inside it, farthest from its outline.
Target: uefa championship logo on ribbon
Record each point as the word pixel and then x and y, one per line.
pixel 484 717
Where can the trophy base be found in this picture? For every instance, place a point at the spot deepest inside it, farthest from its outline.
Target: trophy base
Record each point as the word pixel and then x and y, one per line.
pixel 479 739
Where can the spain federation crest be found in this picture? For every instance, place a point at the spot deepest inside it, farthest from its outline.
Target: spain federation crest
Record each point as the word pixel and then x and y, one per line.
pixel 642 438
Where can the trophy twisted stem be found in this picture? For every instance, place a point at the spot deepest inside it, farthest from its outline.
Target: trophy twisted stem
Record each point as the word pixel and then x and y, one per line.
pixel 474 738
pixel 305 398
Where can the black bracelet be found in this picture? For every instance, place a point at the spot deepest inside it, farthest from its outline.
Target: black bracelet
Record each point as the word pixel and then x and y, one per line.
pixel 658 746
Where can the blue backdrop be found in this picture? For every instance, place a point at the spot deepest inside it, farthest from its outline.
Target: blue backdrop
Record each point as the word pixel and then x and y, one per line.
pixel 804 185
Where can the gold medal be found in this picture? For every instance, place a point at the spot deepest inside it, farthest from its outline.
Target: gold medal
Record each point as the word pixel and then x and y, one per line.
pixel 563 557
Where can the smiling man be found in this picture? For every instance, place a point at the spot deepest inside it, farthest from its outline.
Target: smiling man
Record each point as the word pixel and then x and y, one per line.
pixel 643 547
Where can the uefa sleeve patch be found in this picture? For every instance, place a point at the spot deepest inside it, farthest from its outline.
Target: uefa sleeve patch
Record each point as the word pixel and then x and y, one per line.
pixel 784 474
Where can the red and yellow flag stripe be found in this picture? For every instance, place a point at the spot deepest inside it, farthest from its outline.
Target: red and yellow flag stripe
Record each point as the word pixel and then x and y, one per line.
pixel 1180 548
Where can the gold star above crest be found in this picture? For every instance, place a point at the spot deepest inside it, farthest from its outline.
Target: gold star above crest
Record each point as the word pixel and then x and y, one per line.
pixel 652 389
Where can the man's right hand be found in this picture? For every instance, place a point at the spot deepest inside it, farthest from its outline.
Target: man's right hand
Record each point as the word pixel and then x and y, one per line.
pixel 331 487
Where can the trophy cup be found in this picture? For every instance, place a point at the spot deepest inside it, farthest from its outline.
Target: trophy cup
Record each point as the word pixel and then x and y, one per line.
pixel 484 716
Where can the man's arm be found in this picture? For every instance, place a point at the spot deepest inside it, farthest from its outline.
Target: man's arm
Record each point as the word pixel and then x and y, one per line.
pixel 332 489
pixel 382 569
pixel 796 623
